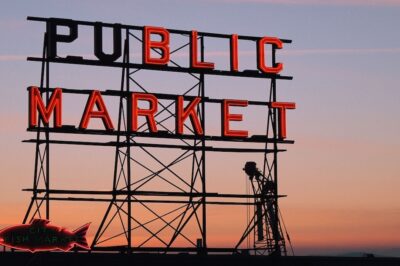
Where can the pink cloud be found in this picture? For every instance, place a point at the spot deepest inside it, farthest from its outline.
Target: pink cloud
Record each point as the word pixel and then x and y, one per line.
pixel 338 51
pixel 8 58
pixel 289 52
pixel 322 2
pixel 302 52
pixel 12 24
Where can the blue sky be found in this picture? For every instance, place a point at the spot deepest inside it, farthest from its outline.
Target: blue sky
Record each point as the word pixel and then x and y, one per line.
pixel 345 59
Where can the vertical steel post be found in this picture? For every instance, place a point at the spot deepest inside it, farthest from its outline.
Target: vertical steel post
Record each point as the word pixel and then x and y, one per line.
pixel 47 149
pixel 203 151
pixel 37 144
pixel 128 148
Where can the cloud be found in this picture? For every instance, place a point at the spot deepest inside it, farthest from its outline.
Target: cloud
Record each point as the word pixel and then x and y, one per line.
pixel 321 2
pixel 8 58
pixel 341 51
pixel 12 24
pixel 303 52
pixel 300 52
pixel 290 52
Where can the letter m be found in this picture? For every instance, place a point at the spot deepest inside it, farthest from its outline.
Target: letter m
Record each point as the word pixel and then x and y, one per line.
pixel 36 104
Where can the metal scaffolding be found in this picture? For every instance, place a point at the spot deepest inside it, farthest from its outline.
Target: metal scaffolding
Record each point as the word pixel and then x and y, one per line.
pixel 186 197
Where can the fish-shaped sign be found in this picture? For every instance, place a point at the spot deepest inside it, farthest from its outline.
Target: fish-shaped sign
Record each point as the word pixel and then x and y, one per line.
pixel 39 235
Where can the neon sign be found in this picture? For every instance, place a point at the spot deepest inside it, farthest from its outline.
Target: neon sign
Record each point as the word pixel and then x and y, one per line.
pixel 151 119
pixel 97 109
pixel 148 34
pixel 39 235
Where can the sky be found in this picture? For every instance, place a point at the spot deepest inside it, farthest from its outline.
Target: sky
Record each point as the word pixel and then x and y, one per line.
pixel 341 175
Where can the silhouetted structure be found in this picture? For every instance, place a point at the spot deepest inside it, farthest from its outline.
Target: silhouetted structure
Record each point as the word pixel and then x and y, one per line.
pixel 106 259
pixel 187 197
pixel 265 222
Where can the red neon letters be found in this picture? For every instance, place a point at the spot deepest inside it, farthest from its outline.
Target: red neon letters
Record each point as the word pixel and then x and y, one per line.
pixel 36 104
pixel 162 45
pixel 102 113
pixel 189 111
pixel 147 113
pixel 281 106
pixel 261 55
pixel 193 54
pixel 95 101
pixel 227 116
pixel 234 53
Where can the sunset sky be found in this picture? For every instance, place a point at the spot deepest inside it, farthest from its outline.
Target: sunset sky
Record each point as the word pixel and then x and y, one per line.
pixel 342 175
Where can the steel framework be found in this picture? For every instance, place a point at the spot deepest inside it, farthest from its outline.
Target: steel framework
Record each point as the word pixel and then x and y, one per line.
pixel 186 198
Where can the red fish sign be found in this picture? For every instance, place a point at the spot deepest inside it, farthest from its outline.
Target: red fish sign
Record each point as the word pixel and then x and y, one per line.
pixel 40 236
